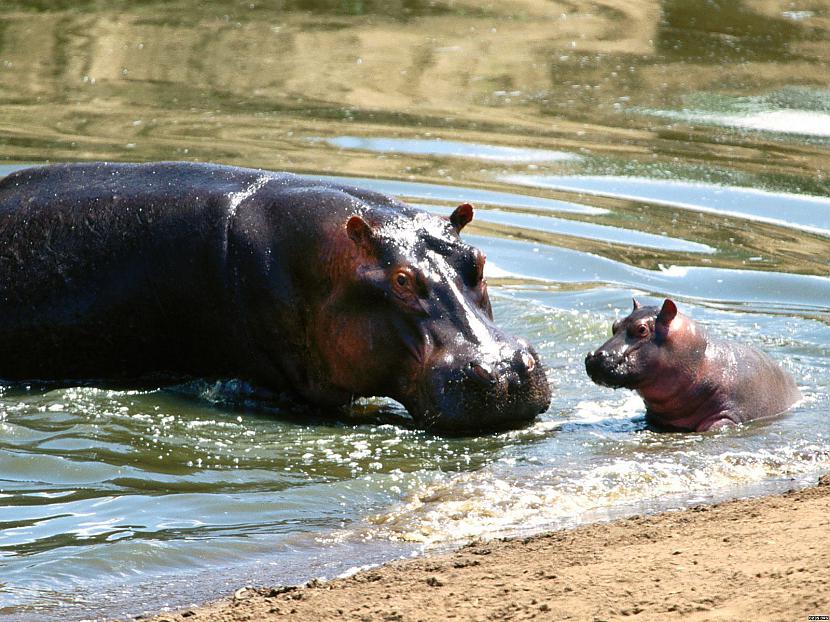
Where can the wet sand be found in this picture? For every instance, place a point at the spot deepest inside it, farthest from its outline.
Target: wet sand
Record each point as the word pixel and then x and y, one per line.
pixel 755 559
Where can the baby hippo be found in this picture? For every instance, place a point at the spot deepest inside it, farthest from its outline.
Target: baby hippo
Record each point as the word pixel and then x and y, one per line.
pixel 688 381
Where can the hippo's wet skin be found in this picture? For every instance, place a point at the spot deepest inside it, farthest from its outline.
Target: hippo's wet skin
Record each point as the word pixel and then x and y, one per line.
pixel 152 274
pixel 688 381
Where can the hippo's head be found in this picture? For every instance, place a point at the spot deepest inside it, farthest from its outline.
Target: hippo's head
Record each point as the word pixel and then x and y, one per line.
pixel 648 349
pixel 417 326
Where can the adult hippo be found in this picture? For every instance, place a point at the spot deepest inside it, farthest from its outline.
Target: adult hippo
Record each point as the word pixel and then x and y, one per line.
pixel 144 275
pixel 687 380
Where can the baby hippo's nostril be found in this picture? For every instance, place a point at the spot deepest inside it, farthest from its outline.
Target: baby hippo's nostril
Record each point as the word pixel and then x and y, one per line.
pixel 481 373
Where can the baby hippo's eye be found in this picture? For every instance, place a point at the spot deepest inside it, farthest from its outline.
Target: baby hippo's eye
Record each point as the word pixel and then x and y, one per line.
pixel 640 331
pixel 402 279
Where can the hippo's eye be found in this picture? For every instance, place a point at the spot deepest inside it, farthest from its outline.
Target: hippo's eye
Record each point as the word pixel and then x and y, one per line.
pixel 409 288
pixel 642 330
pixel 404 281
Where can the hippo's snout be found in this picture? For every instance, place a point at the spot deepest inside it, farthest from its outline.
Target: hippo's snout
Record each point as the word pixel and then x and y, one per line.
pixel 516 370
pixel 481 373
pixel 485 396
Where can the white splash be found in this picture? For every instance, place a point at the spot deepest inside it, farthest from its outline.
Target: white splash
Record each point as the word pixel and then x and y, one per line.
pixel 485 505
pixel 487 343
pixel 236 198
pixel 405 234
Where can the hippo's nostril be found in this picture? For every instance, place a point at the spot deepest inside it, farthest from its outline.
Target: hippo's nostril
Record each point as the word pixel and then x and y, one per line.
pixel 598 355
pixel 523 362
pixel 481 373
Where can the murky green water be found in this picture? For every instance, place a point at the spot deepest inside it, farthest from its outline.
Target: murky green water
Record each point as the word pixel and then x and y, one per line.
pixel 614 148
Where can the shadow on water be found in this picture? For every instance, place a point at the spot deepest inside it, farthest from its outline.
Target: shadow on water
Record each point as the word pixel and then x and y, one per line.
pixel 240 397
pixel 674 148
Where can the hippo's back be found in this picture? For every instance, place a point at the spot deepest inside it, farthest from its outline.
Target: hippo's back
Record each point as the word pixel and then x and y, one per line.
pixel 104 184
pixel 120 264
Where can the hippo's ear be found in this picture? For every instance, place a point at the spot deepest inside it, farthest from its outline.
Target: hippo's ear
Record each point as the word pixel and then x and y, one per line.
pixel 637 305
pixel 461 216
pixel 360 232
pixel 667 313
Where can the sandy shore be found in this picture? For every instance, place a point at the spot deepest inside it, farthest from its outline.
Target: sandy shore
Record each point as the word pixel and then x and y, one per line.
pixel 755 559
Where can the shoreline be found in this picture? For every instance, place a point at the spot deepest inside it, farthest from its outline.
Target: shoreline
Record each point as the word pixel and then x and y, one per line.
pixel 763 558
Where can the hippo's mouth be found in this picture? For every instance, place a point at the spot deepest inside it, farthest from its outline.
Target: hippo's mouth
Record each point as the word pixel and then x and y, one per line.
pixel 467 402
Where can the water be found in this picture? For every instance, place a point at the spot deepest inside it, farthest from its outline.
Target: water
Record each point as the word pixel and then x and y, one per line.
pixel 649 149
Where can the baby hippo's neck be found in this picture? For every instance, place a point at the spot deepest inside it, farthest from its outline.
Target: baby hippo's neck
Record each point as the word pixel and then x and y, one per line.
pixel 694 407
pixel 688 399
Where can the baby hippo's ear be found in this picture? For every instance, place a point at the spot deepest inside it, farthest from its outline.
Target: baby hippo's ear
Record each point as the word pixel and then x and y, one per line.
pixel 664 318
pixel 462 215
pixel 667 312
pixel 637 305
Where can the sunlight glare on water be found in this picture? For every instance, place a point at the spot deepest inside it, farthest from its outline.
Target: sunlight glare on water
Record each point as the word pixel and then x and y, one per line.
pixel 450 148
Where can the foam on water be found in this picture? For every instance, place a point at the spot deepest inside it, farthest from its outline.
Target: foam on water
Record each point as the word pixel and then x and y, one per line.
pixel 488 503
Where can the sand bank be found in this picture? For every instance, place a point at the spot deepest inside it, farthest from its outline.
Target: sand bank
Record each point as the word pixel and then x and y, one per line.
pixel 755 559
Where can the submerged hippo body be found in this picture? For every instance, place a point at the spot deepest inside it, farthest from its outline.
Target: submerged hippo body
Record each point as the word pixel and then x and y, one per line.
pixel 688 381
pixel 140 275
